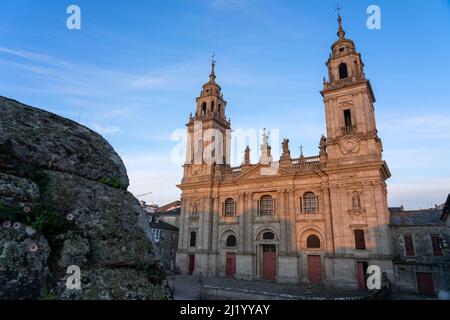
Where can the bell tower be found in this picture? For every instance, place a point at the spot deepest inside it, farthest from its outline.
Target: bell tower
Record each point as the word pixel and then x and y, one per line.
pixel 355 172
pixel 349 104
pixel 209 132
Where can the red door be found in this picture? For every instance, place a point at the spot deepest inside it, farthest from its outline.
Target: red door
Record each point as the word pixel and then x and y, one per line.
pixel 362 271
pixel 231 264
pixel 425 284
pixel 315 269
pixel 191 263
pixel 269 262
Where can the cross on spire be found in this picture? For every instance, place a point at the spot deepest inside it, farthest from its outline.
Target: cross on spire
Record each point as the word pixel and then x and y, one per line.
pixel 213 58
pixel 341 32
pixel 212 76
pixel 301 151
pixel 338 9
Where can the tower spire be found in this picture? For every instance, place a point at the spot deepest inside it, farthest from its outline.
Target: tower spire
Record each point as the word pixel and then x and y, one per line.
pixel 341 32
pixel 212 76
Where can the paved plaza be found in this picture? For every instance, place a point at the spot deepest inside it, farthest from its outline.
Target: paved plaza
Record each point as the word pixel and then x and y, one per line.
pixel 188 288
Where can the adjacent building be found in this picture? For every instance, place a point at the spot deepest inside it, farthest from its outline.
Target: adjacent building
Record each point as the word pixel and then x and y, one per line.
pixel 165 236
pixel 170 213
pixel 421 251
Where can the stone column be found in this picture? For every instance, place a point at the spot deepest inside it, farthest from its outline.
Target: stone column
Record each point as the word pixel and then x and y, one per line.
pixel 183 239
pixel 241 216
pixel 186 223
pixel 284 222
pixel 244 257
pixel 292 230
pixel 201 224
pixel 181 242
pixel 215 219
pixel 288 267
pixel 249 223
pixel 326 210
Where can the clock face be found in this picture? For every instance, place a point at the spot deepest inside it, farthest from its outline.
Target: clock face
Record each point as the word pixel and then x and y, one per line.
pixel 349 144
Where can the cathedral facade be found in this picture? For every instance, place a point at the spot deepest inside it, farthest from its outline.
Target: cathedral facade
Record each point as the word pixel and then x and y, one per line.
pixel 322 219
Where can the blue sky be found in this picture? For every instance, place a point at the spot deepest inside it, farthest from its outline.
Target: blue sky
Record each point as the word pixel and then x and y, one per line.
pixel 134 69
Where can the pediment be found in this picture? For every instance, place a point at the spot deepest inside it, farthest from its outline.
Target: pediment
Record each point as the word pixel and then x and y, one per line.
pixel 260 170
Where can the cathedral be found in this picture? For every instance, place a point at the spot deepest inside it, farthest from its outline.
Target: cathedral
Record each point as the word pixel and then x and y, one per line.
pixel 322 219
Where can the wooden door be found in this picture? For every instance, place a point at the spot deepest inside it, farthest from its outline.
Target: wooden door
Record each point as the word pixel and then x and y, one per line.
pixel 362 274
pixel 231 265
pixel 315 269
pixel 425 284
pixel 269 262
pixel 191 264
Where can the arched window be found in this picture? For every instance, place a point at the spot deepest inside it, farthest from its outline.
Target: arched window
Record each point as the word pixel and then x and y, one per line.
pixel 203 108
pixel 231 241
pixel 309 202
pixel 268 236
pixel 356 200
pixel 343 72
pixel 313 242
pixel 220 107
pixel 266 205
pixel 229 210
pixel 212 106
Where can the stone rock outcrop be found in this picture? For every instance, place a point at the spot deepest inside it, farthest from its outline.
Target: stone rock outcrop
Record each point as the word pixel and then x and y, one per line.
pixel 23 263
pixel 34 138
pixel 63 202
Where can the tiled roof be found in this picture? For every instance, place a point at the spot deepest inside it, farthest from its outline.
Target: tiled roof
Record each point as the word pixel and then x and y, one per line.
pixel 162 225
pixel 417 217
pixel 168 206
pixel 173 212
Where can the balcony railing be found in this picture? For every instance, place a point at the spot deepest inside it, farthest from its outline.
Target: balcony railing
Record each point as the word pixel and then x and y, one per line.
pixel 305 161
pixel 348 129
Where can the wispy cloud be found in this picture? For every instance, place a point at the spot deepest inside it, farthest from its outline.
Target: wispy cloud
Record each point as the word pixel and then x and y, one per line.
pixel 105 130
pixel 429 126
pixel 89 80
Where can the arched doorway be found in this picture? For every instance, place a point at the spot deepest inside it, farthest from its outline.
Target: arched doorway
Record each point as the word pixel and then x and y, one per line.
pixel 230 269
pixel 267 254
pixel 228 249
pixel 312 246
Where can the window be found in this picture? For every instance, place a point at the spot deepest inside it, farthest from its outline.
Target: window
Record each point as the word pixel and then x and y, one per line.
pixel 203 108
pixel 348 118
pixel 229 210
pixel 268 236
pixel 212 106
pixel 360 240
pixel 409 246
pixel 231 241
pixel 343 72
pixel 193 239
pixel 436 242
pixel 356 201
pixel 266 206
pixel 156 234
pixel 313 242
pixel 310 202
